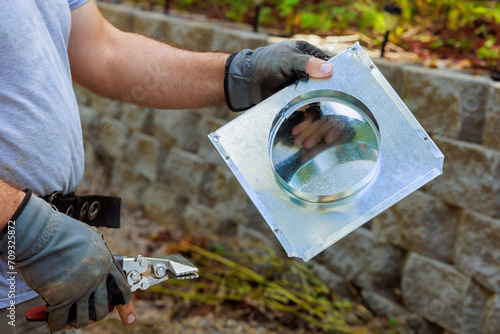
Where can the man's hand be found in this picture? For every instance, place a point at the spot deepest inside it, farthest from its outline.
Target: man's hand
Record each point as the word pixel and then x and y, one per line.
pixel 68 264
pixel 252 76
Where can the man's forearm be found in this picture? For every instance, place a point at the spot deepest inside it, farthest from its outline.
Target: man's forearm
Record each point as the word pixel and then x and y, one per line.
pixel 10 199
pixel 138 69
pixel 153 74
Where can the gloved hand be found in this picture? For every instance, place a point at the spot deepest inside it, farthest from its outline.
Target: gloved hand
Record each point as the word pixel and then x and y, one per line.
pixel 67 263
pixel 253 76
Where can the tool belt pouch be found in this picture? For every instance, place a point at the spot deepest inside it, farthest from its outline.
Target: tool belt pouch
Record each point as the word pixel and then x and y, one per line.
pixel 94 210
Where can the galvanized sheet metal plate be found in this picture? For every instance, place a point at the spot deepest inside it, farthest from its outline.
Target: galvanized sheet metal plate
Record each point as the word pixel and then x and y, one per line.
pixel 365 152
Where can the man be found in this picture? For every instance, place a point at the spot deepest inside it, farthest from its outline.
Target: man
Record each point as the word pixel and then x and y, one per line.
pixel 43 46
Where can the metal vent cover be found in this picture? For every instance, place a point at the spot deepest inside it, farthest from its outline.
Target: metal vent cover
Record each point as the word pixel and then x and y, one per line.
pixel 322 157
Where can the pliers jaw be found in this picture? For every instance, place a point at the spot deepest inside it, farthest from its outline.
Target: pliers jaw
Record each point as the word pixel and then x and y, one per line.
pixel 143 272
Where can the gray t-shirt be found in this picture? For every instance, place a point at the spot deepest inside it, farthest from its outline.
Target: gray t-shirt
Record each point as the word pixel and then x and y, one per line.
pixel 41 144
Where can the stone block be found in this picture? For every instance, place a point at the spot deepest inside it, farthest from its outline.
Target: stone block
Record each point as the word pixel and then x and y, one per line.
pixel 474 309
pixel 106 107
pixel 183 172
pixel 435 291
pixel 255 219
pixel 421 325
pixel 217 112
pixel 129 186
pixel 382 306
pixel 82 94
pixel 160 205
pixel 90 160
pixel 200 220
pixel 492 321
pixel 334 282
pixel 491 136
pixel 470 177
pixel 234 209
pixel 207 125
pixel 88 118
pixel 230 115
pixel 392 72
pixel 222 192
pixel 176 128
pixel 477 250
pixel 119 16
pixel 420 223
pixel 150 24
pixel 445 102
pixel 216 186
pixel 366 260
pixel 191 35
pixel 136 117
pixel 224 112
pixel 113 134
pixel 90 121
pixel 142 153
pixel 232 40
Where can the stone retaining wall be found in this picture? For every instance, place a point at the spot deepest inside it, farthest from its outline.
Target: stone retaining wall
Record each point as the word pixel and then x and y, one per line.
pixel 433 258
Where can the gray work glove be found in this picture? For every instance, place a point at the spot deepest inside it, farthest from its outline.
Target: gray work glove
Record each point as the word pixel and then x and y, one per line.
pixel 67 263
pixel 253 76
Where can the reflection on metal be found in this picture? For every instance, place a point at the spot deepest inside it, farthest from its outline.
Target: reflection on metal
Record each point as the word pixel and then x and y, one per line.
pixel 324 146
pixel 322 157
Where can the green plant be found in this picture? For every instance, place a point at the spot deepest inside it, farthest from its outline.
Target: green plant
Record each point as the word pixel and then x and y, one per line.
pixel 370 18
pixel 236 9
pixel 436 44
pixel 487 51
pixel 465 43
pixel 287 7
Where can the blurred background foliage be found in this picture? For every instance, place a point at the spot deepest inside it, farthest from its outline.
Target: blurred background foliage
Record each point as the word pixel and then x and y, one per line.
pixel 465 30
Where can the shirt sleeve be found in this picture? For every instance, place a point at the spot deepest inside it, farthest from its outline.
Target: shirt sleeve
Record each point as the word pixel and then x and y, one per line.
pixel 76 3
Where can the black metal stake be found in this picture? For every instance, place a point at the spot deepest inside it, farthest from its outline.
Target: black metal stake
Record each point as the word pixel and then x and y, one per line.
pixel 392 16
pixel 495 74
pixel 256 19
pixel 166 7
pixel 386 38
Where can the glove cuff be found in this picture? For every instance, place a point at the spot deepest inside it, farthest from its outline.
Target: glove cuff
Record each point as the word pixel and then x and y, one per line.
pixel 17 213
pixel 226 81
pixel 237 81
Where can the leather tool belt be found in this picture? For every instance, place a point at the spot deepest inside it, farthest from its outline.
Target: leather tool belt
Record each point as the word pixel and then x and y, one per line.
pixel 94 210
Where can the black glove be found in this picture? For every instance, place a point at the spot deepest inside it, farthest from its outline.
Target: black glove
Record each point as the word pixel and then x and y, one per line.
pixel 67 263
pixel 253 76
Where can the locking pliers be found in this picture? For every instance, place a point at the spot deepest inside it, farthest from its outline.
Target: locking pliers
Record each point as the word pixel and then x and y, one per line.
pixel 143 272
